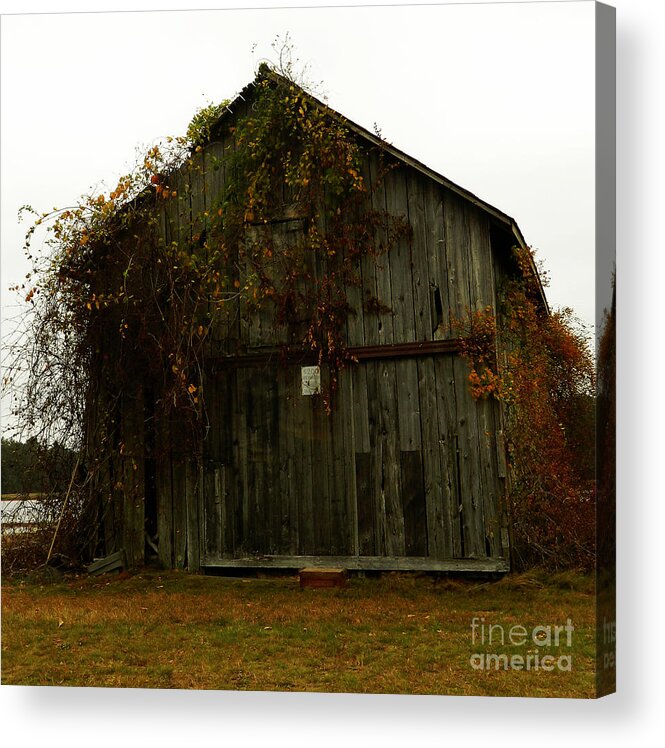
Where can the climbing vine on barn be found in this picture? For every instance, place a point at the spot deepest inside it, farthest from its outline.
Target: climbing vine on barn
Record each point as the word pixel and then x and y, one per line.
pixel 130 285
pixel 539 366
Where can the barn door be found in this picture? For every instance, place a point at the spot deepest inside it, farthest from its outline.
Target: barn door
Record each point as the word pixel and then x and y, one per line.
pixel 425 461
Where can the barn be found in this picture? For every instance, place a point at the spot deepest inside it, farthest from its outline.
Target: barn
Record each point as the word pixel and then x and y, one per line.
pixel 359 447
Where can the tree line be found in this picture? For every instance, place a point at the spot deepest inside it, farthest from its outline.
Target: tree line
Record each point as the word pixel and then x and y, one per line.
pixel 29 467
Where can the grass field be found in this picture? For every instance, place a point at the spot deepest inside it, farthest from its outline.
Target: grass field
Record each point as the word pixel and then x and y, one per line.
pixel 395 634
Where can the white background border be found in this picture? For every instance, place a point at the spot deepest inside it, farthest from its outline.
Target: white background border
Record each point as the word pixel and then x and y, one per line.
pixel 108 717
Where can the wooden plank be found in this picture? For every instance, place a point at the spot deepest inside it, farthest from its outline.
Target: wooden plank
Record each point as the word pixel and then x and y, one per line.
pixel 376 499
pixel 404 323
pixel 365 563
pixel 436 489
pixel 414 506
pixel 216 155
pixel 501 453
pixel 421 279
pixel 470 468
pixel 355 325
pixel 367 274
pixel 408 405
pixel 437 262
pixel 99 436
pixel 117 470
pixel 214 179
pixel 236 308
pixel 400 260
pixel 388 457
pixel 108 476
pixel 171 224
pixel 337 487
pixel 259 312
pixel 271 455
pixel 252 509
pixel 241 455
pixel 183 207
pixel 384 319
pixel 162 224
pixel 499 517
pixel 366 493
pixel 432 321
pixel 164 488
pixel 368 261
pixel 482 282
pixel 281 498
pixel 246 322
pixel 473 470
pixel 345 462
pixel 179 473
pixel 285 236
pixel 307 506
pixel 478 259
pixel 214 521
pixel 446 413
pixel 359 406
pixel 488 469
pixel 231 497
pixel 457 257
pixel 133 453
pixel 215 167
pixel 362 473
pixel 503 548
pixel 193 497
pixel 107 508
pixel 291 492
pixel 304 486
pixel 223 458
pixel 213 417
pixel 296 499
pixel 321 474
pixel 113 562
pixel 257 422
pixel 198 199
pixel 472 436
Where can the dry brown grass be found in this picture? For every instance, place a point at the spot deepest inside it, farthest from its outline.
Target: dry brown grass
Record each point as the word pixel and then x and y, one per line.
pixel 397 634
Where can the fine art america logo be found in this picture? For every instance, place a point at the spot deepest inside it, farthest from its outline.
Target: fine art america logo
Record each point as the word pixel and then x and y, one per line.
pixel 544 647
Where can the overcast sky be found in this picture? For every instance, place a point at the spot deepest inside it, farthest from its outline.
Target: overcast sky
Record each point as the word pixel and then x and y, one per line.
pixel 497 97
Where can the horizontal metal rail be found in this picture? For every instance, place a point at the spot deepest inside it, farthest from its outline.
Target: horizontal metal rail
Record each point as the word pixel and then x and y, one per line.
pixel 357 353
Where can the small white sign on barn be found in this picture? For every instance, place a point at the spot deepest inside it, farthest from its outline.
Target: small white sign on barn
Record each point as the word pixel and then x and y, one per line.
pixel 311 380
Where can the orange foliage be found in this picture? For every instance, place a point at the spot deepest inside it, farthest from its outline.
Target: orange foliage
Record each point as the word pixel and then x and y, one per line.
pixel 544 376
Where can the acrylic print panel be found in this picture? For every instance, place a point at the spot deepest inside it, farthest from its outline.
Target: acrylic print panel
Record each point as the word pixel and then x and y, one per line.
pixel 351 313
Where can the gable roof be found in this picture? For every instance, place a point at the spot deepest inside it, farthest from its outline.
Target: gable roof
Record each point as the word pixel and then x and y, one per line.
pixel 509 223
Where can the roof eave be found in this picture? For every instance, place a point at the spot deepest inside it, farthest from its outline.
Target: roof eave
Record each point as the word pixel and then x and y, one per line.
pixel 370 137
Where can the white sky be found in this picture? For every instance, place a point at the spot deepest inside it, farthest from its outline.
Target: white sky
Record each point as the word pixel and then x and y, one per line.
pixel 497 97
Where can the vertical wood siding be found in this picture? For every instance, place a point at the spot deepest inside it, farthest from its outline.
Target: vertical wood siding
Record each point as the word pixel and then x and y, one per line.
pixel 408 464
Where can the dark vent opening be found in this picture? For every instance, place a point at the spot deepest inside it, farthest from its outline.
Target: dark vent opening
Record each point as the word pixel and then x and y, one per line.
pixel 437 321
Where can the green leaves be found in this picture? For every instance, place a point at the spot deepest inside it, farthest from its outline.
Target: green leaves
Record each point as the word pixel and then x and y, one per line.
pixel 200 127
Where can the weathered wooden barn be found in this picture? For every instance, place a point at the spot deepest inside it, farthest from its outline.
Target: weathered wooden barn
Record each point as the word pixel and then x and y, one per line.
pixel 408 471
